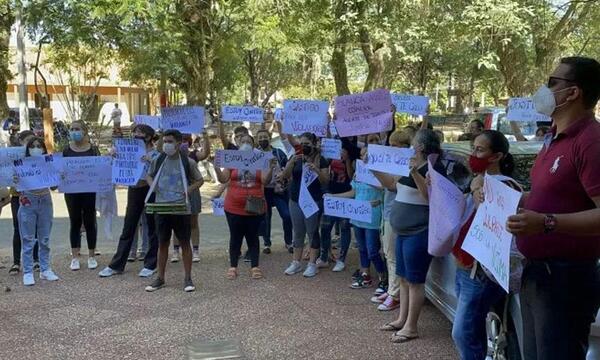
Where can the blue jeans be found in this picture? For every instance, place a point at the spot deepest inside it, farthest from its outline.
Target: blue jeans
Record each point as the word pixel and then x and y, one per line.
pixel 369 245
pixel 327 224
pixel 280 202
pixel 475 297
pixel 35 216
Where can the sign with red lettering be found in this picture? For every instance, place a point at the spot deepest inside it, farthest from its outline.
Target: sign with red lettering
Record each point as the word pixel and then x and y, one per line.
pixel 487 240
pixel 365 113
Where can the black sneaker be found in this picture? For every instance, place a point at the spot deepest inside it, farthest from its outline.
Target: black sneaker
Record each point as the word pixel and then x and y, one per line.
pixel 188 286
pixel 36 266
pixel 356 275
pixel 155 285
pixel 267 250
pixel 247 257
pixel 14 270
pixel 381 288
pixel 290 249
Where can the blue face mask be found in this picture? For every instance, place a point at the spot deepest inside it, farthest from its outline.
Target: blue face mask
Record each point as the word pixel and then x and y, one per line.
pixel 76 135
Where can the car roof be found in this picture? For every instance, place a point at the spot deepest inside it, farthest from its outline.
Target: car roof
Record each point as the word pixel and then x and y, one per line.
pixel 516 147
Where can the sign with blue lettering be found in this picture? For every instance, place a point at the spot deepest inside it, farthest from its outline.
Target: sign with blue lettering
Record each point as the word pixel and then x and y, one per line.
pixel 251 114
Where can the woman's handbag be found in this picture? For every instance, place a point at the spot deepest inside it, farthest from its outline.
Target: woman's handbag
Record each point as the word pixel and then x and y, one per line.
pixel 255 205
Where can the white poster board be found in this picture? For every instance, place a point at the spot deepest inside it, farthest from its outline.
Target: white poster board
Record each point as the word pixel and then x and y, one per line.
pixel 410 104
pixel 252 114
pixel 390 160
pixel 331 148
pixel 522 109
pixel 186 119
pixel 128 166
pixel 348 208
pixel 305 116
pixel 150 120
pixel 86 174
pixel 243 160
pixel 8 156
pixel 36 172
pixel 364 175
pixel 218 206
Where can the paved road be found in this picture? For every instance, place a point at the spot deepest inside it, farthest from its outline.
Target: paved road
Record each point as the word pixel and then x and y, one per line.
pixel 279 317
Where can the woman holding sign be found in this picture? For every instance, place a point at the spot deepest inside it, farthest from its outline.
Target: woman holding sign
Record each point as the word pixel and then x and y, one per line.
pixel 476 292
pixel 35 221
pixel 81 206
pixel 245 206
pixel 409 218
pixel 309 172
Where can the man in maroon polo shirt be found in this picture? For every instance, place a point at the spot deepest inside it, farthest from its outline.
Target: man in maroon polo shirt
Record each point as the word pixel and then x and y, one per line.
pixel 558 229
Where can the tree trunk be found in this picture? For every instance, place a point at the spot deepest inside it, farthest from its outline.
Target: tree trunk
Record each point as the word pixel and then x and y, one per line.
pixel 6 21
pixel 338 57
pixel 250 61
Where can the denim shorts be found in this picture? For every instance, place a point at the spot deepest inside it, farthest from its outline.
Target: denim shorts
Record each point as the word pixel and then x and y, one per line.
pixel 412 258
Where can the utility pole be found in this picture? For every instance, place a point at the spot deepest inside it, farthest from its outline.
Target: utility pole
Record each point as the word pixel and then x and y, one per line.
pixel 23 106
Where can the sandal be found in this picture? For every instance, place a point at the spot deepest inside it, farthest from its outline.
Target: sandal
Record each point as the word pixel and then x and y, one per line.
pixel 256 273
pixel 15 269
pixel 390 327
pixel 232 273
pixel 402 338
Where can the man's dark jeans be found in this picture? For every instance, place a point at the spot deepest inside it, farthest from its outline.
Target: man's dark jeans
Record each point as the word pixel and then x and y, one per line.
pixel 559 302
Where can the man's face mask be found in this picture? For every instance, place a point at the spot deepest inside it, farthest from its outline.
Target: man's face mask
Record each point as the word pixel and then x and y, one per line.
pixel 544 100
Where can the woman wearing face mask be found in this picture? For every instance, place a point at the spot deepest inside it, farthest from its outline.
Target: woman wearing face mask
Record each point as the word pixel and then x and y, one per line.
pixel 81 206
pixel 409 218
pixel 35 220
pixel 303 226
pixel 276 194
pixel 244 223
pixel 475 290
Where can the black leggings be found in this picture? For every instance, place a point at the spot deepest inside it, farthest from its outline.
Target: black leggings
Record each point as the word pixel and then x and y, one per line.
pixel 82 210
pixel 240 227
pixel 14 208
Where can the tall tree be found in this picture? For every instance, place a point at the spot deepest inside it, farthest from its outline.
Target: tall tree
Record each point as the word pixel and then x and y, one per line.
pixel 6 21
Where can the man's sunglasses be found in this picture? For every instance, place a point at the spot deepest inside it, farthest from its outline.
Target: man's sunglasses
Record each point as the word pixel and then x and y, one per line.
pixel 553 81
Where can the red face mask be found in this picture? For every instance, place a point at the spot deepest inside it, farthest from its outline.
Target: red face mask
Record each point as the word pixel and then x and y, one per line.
pixel 479 165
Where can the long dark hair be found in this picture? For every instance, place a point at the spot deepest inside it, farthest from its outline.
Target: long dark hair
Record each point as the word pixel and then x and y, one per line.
pixel 499 144
pixel 31 141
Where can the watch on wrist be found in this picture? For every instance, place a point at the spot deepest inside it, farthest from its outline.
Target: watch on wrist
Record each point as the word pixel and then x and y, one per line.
pixel 549 223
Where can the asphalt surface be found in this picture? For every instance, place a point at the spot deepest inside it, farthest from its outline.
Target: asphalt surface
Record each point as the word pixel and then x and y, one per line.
pixel 279 317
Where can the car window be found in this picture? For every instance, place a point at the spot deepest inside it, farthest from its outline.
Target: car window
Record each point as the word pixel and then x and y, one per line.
pixel 527 128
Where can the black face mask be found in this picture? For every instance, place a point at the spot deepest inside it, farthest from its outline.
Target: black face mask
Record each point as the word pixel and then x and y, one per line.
pixel 307 149
pixel 263 144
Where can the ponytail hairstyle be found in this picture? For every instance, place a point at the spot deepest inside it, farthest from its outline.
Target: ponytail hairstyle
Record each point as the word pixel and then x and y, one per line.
pixel 499 144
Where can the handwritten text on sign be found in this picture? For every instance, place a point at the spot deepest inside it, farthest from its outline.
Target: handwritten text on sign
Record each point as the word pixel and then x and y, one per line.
pixel 305 200
pixel 305 116
pixel 86 174
pixel 187 119
pixel 522 109
pixel 218 206
pixel 251 114
pixel 364 113
pixel 364 175
pixel 410 104
pixel 446 207
pixel 7 160
pixel 348 208
pixel 487 239
pixel 150 120
pixel 243 160
pixel 390 160
pixel 128 166
pixel 36 172
pixel 331 148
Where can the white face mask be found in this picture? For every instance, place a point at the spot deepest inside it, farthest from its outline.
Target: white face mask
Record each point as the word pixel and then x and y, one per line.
pixel 246 147
pixel 544 101
pixel 36 152
pixel 169 149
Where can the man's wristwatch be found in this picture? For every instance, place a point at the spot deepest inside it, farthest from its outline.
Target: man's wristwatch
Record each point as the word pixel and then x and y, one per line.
pixel 549 223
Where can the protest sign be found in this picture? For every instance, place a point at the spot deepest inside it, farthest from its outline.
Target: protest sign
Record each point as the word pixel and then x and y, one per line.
pixel 36 172
pixel 127 167
pixel 305 116
pixel 487 240
pixel 278 114
pixel 364 113
pixel 333 129
pixel 218 206
pixel 305 200
pixel 187 119
pixel 446 208
pixel 7 161
pixel 410 104
pixel 243 160
pixel 522 109
pixel 150 120
pixel 358 210
pixel 390 160
pixel 251 114
pixel 86 174
pixel 364 175
pixel 331 148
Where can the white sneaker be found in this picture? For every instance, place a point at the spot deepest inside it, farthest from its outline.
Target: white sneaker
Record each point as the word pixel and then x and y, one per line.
pixel 92 263
pixel 107 272
pixel 294 268
pixel 196 255
pixel 175 257
pixel 339 266
pixel 311 270
pixel 146 273
pixel 322 264
pixel 28 279
pixel 75 265
pixel 48 275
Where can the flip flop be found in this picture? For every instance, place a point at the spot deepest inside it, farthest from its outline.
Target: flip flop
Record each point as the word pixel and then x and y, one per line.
pixel 390 327
pixel 232 273
pixel 401 338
